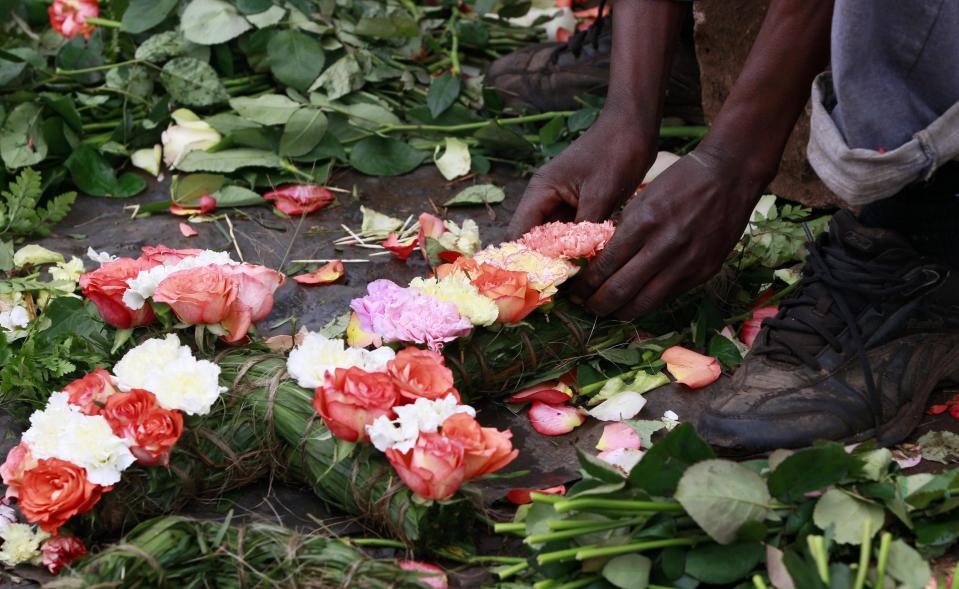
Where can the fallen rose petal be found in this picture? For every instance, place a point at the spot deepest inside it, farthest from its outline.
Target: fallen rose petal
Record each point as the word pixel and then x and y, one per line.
pixel 356 337
pixel 778 574
pixel 400 249
pixel 328 274
pixel 555 420
pixel 752 325
pixel 279 343
pixel 187 231
pixel 624 405
pixel 623 459
pixel 618 435
pixel 938 409
pixel 181 211
pixel 300 199
pixel 907 455
pixel 433 577
pixel 522 496
pixel 691 369
pixel 552 392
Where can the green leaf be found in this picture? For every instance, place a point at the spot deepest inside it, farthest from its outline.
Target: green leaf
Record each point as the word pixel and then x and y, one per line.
pixel 229 160
pixel 296 59
pixel 210 22
pixel 341 78
pixel 598 469
pixel 192 82
pixel 663 465
pixel 80 54
pixel 942 446
pixel 267 109
pixel 812 469
pixel 187 190
pixel 907 566
pixel 162 46
pixel 93 175
pixel 399 25
pixel 551 131
pixel 253 6
pixel 582 119
pixel 134 80
pixel 303 131
pixel 63 106
pixel 723 565
pixel 477 195
pixel 847 517
pixel 143 15
pixel 504 141
pixel 381 156
pixel 443 92
pixel 722 496
pixel 645 428
pixel 629 571
pixel 724 350
pixel 21 140
pixel 237 196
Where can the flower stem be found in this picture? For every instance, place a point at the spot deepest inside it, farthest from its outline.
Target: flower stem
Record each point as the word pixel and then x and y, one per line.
pixel 579 582
pixel 102 22
pixel 758 582
pixel 586 503
pixel 512 570
pixel 546 498
pixel 588 553
pixel 884 544
pixel 561 555
pixel 378 543
pixel 864 553
pixel 98 68
pixel 820 556
pixel 509 527
pixel 572 533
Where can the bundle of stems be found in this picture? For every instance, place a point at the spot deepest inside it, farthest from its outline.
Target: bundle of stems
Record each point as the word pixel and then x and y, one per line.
pixel 174 551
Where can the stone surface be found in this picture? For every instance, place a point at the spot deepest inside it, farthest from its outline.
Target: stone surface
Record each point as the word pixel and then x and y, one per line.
pixel 724 33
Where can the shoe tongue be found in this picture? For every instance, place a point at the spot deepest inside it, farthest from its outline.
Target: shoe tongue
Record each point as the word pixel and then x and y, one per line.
pixel 862 241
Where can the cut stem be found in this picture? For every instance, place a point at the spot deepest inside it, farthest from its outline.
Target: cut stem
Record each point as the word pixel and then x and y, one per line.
pixel 884 544
pixel 587 503
pixel 588 553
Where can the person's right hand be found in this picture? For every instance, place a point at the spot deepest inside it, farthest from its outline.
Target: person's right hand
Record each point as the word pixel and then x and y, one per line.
pixel 590 178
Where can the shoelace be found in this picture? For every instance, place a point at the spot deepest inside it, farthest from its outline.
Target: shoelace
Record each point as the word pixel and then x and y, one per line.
pixel 589 35
pixel 840 274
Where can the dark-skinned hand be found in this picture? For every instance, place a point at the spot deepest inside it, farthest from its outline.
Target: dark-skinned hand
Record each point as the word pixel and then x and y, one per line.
pixel 674 235
pixel 590 179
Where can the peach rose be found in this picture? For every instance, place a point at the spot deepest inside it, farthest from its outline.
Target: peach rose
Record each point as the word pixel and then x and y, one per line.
pixel 486 449
pixel 352 399
pixel 19 461
pixel 167 256
pixel 435 467
pixel 60 551
pixel 91 392
pixel 421 373
pixel 510 291
pixel 198 295
pixel 154 431
pixel 105 287
pixel 54 491
pixel 256 286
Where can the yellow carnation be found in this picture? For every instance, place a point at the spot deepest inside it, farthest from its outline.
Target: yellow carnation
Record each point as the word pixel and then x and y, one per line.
pixel 456 289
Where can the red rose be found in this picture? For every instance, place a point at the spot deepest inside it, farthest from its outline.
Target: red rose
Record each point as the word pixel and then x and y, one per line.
pixel 92 391
pixel 300 199
pixel 105 287
pixel 352 399
pixel 486 449
pixel 54 491
pixel 421 373
pixel 154 430
pixel 60 551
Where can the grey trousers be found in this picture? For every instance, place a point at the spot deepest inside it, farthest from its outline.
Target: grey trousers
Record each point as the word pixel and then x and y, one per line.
pixel 887 114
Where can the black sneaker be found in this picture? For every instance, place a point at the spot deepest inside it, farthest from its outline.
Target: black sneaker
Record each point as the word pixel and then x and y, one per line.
pixel 549 76
pixel 853 354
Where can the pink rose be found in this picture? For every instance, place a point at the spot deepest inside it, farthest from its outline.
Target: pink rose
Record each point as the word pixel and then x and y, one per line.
pixel 198 295
pixel 256 287
pixel 69 17
pixel 19 461
pixel 60 551
pixel 91 392
pixel 435 467
pixel 105 287
pixel 432 575
pixel 352 399
pixel 486 449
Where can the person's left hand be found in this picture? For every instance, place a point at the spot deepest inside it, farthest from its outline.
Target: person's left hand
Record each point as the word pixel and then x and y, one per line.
pixel 674 235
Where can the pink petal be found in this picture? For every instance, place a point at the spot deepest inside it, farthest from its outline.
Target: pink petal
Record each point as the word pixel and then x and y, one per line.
pixel 691 369
pixel 328 274
pixel 522 496
pixel 623 459
pixel 907 455
pixel 555 420
pixel 187 231
pixel 433 577
pixel 618 435
pixel 752 325
pixel 552 392
pixel 778 574
pixel 400 249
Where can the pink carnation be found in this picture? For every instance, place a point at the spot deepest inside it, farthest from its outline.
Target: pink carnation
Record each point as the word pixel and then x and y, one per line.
pixel 405 315
pixel 570 241
pixel 60 551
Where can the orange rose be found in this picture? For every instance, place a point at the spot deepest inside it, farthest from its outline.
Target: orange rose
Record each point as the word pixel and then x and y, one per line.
pixel 198 295
pixel 486 449
pixel 421 373
pixel 105 287
pixel 509 290
pixel 91 392
pixel 352 399
pixel 54 491
pixel 19 461
pixel 154 431
pixel 433 469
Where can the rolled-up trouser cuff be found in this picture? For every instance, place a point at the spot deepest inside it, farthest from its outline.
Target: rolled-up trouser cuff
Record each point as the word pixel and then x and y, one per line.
pixel 861 176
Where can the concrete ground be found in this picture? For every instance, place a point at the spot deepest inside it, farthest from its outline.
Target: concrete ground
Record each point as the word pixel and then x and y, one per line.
pixel 263 238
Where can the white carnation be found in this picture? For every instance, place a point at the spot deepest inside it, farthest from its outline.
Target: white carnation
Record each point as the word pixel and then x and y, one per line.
pixel 317 355
pixel 16 317
pixel 132 370
pixel 187 384
pixel 422 416
pixel 62 431
pixel 99 257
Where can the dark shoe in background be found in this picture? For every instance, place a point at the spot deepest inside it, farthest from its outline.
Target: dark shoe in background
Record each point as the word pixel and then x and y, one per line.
pixel 853 354
pixel 549 76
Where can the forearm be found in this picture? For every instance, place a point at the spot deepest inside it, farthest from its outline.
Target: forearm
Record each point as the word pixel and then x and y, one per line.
pixel 758 116
pixel 645 33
